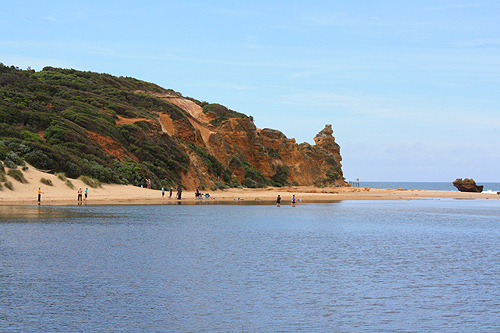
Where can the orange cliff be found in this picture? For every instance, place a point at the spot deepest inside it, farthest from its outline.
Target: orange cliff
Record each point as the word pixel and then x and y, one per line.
pixel 238 143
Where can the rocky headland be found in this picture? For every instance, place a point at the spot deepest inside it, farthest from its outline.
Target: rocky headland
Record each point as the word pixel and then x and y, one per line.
pixel 125 131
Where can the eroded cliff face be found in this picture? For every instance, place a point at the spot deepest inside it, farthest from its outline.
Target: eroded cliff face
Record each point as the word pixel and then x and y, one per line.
pixel 246 151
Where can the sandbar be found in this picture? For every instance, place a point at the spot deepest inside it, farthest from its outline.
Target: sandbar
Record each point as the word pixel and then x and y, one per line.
pixel 113 194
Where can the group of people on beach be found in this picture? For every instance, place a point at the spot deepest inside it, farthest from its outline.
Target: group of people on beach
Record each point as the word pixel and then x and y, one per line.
pixel 84 192
pixel 163 192
pixel 293 200
pixel 178 189
pixel 197 193
pixel 80 194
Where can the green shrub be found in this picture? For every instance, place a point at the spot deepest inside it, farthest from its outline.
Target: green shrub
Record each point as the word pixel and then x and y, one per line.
pixel 61 176
pixel 3 150
pixel 39 159
pixel 30 136
pixel 250 183
pixel 319 182
pixel 13 159
pixel 255 175
pixel 226 176
pixel 212 163
pixel 222 113
pixel 236 163
pixel 333 174
pixel 70 184
pixel 2 169
pixel 94 183
pixel 100 172
pixel 55 134
pixel 72 170
pixel 17 175
pixel 235 183
pixel 2 177
pixel 281 177
pixel 9 164
pixel 46 181
pixel 9 185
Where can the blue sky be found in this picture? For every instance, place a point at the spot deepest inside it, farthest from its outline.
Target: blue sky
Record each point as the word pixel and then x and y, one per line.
pixel 412 88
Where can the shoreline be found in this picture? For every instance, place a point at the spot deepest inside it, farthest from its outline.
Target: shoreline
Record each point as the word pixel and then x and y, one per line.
pixel 113 194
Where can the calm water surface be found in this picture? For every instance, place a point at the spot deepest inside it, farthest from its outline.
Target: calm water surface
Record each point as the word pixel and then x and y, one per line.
pixel 407 266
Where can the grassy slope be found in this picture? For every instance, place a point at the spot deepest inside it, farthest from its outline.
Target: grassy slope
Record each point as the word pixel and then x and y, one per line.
pixel 46 117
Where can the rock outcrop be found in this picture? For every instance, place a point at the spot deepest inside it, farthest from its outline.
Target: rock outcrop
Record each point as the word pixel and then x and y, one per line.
pixel 467 185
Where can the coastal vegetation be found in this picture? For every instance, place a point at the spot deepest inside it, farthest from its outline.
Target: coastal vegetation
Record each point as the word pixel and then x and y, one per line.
pixel 220 112
pixel 46 181
pixel 17 175
pixel 48 118
pixel 106 129
pixel 9 185
pixel 94 183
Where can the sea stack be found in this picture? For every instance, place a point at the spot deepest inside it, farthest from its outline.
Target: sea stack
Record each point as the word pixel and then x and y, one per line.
pixel 467 185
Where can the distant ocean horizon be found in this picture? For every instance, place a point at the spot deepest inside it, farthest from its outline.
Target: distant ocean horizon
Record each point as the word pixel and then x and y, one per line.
pixel 432 186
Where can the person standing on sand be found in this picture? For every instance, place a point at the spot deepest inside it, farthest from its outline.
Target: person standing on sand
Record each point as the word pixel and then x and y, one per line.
pixel 179 193
pixel 293 199
pixel 170 192
pixel 86 192
pixel 162 192
pixel 39 194
pixel 80 194
pixel 278 200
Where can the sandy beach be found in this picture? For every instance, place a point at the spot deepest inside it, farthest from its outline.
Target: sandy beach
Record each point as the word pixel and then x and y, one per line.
pixel 61 194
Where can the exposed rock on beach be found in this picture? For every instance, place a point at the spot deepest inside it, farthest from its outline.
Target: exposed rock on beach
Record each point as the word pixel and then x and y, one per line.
pixel 467 185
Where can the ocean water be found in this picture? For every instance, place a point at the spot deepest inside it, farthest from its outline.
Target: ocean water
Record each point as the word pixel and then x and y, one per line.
pixel 350 266
pixel 435 186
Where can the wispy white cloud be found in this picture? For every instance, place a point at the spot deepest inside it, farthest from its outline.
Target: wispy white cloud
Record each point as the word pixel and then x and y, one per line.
pixel 227 11
pixel 251 42
pixel 304 74
pixel 324 19
pixel 455 6
pixel 66 16
pixel 480 42
pixel 230 86
pixel 405 109
pixel 223 85
pixel 50 18
pixel 354 104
